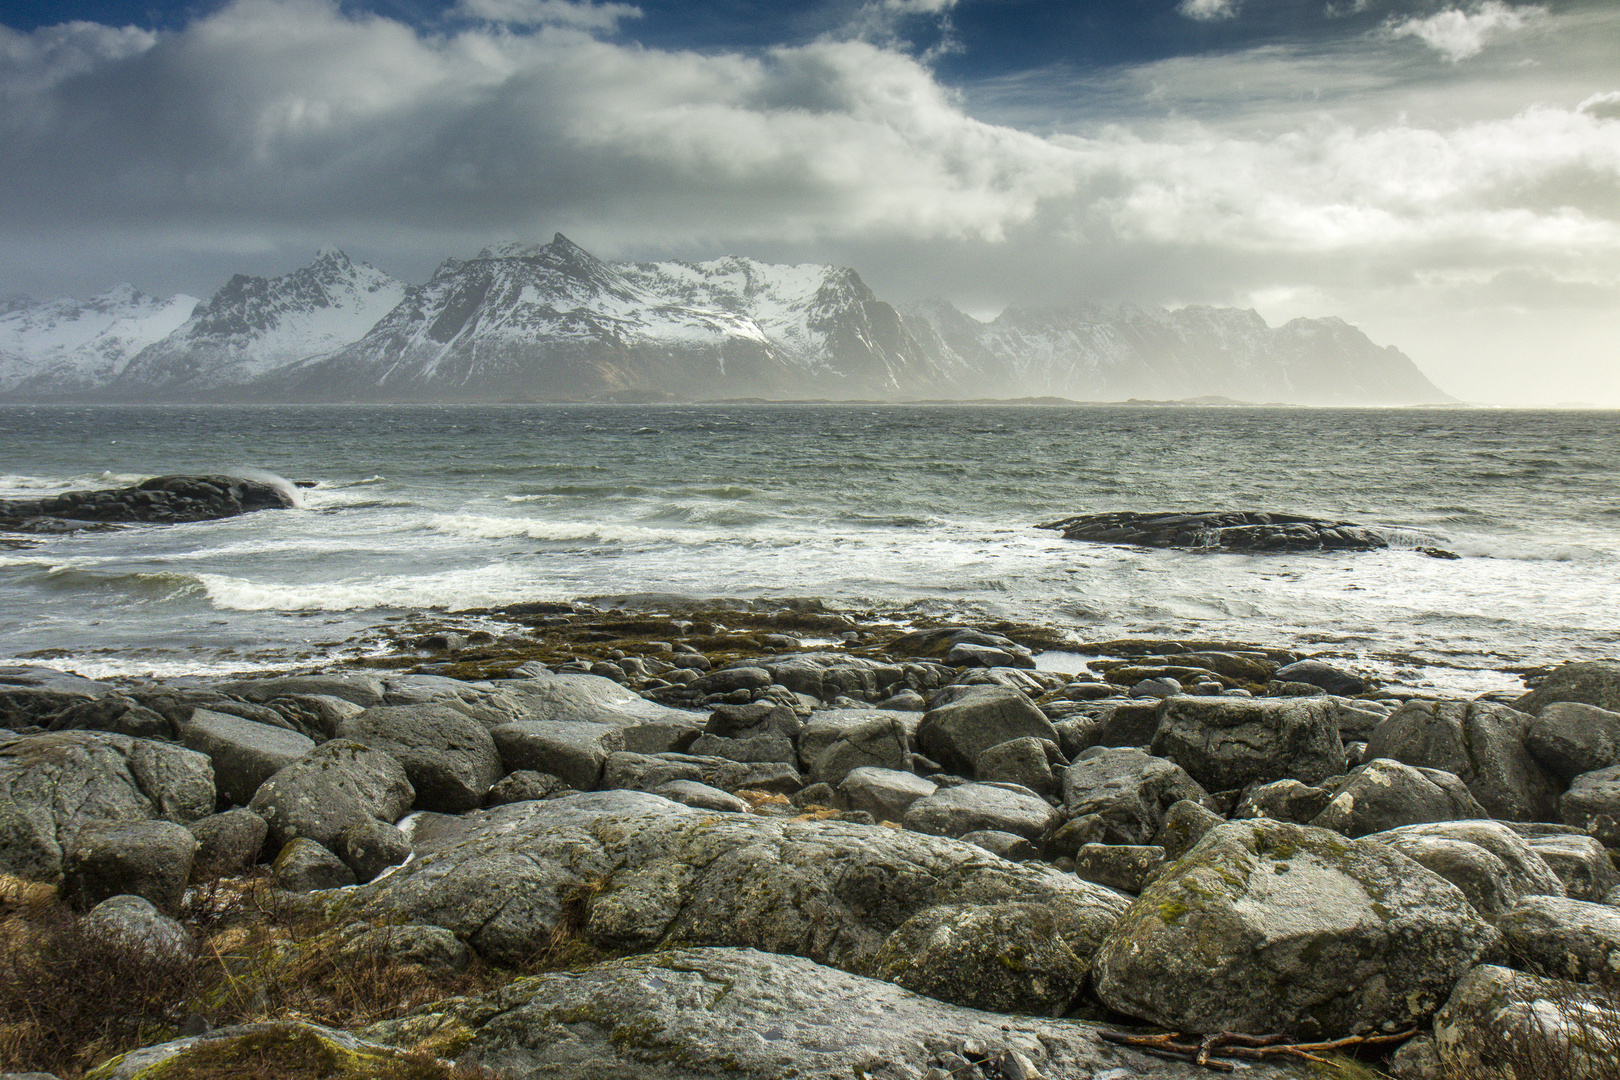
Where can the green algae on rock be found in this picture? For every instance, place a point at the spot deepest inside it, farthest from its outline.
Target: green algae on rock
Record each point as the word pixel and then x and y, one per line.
pixel 1268 926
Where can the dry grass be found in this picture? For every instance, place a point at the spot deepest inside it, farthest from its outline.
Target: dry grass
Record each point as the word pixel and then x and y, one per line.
pixel 70 999
pixel 1570 1032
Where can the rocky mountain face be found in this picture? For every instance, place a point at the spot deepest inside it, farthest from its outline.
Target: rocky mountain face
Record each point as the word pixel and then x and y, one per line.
pixel 551 322
pixel 61 347
pixel 255 326
pixel 1100 354
pixel 554 321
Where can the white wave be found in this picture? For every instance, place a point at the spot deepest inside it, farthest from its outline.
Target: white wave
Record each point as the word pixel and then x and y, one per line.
pixel 280 483
pixel 482 586
pixel 1482 547
pixel 482 527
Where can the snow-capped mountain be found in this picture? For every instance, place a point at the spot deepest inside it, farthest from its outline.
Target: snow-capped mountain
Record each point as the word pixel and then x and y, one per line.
pixel 254 326
pixel 69 346
pixel 1093 353
pixel 554 321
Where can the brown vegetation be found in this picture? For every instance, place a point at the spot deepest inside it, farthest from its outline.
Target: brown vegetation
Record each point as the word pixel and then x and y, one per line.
pixel 71 998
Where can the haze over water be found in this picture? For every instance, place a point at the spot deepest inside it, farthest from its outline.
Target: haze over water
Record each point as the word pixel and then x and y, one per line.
pixel 899 508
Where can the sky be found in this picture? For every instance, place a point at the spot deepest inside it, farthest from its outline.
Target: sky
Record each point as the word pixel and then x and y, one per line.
pixel 1444 174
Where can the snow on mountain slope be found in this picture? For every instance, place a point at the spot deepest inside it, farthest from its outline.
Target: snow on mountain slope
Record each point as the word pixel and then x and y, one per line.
pixel 254 326
pixel 554 321
pixel 549 322
pixel 66 346
pixel 1101 354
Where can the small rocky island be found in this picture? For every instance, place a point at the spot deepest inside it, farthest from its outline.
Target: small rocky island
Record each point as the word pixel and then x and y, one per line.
pixel 1220 530
pixel 671 839
pixel 162 499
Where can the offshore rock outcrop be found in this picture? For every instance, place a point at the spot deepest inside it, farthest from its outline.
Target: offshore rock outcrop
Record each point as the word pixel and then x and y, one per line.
pixel 1245 531
pixel 161 499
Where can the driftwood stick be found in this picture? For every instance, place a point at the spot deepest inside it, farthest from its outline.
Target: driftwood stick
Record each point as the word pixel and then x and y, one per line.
pixel 1235 1044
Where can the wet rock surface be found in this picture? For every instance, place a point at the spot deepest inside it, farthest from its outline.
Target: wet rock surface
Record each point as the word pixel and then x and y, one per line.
pixel 160 499
pixel 1249 532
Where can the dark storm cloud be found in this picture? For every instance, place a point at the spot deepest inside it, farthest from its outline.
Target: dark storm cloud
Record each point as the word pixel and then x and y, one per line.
pixel 1425 150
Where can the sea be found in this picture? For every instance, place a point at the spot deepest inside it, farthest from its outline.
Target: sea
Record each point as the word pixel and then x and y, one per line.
pixel 897 510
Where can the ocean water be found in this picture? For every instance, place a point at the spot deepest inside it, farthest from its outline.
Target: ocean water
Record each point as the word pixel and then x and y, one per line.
pixel 903 509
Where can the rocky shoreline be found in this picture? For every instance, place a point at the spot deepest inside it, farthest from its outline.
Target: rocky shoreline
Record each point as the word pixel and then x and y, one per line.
pixel 677 839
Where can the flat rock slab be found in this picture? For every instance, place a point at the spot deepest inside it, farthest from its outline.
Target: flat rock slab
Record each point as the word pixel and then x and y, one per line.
pixel 751 1015
pixel 663 874
pixel 160 499
pixel 1244 531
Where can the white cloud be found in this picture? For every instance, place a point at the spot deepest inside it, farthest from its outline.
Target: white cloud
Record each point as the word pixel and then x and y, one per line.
pixel 1208 10
pixel 1458 34
pixel 270 125
pixel 585 16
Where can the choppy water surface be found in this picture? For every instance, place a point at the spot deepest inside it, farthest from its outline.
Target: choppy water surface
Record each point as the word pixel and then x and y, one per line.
pixel 894 507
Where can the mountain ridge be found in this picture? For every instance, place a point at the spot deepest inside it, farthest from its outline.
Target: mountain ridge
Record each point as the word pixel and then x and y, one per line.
pixel 533 322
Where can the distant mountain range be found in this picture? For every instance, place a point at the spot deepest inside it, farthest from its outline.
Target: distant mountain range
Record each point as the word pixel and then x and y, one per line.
pixel 553 322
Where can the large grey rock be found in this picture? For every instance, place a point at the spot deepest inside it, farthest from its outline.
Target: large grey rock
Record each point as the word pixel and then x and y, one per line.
pixel 1549 1027
pixel 643 772
pixel 1592 804
pixel 664 875
pixel 132 921
pixel 150 859
pixel 826 726
pixel 362 690
pixel 886 794
pixel 1225 743
pixel 567 697
pixel 1184 824
pixel 1482 743
pixel 1581 862
pixel 957 811
pixel 113 712
pixel 968 720
pixel 228 843
pixel 701 796
pixel 1028 762
pixel 1284 800
pixel 449 757
pixel 1591 682
pixel 572 751
pixel 748 1015
pixel 1323 675
pixel 368 847
pixel 1386 794
pixel 305 866
pixel 1127 789
pixel 766 746
pixel 1569 738
pixel 51 785
pixel 1489 862
pixel 1268 926
pixel 244 754
pixel 1126 867
pixel 828 675
pixel 337 783
pixel 1001 957
pixel 1563 938
pixel 882 742
pixel 1130 723
pixel 938 644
